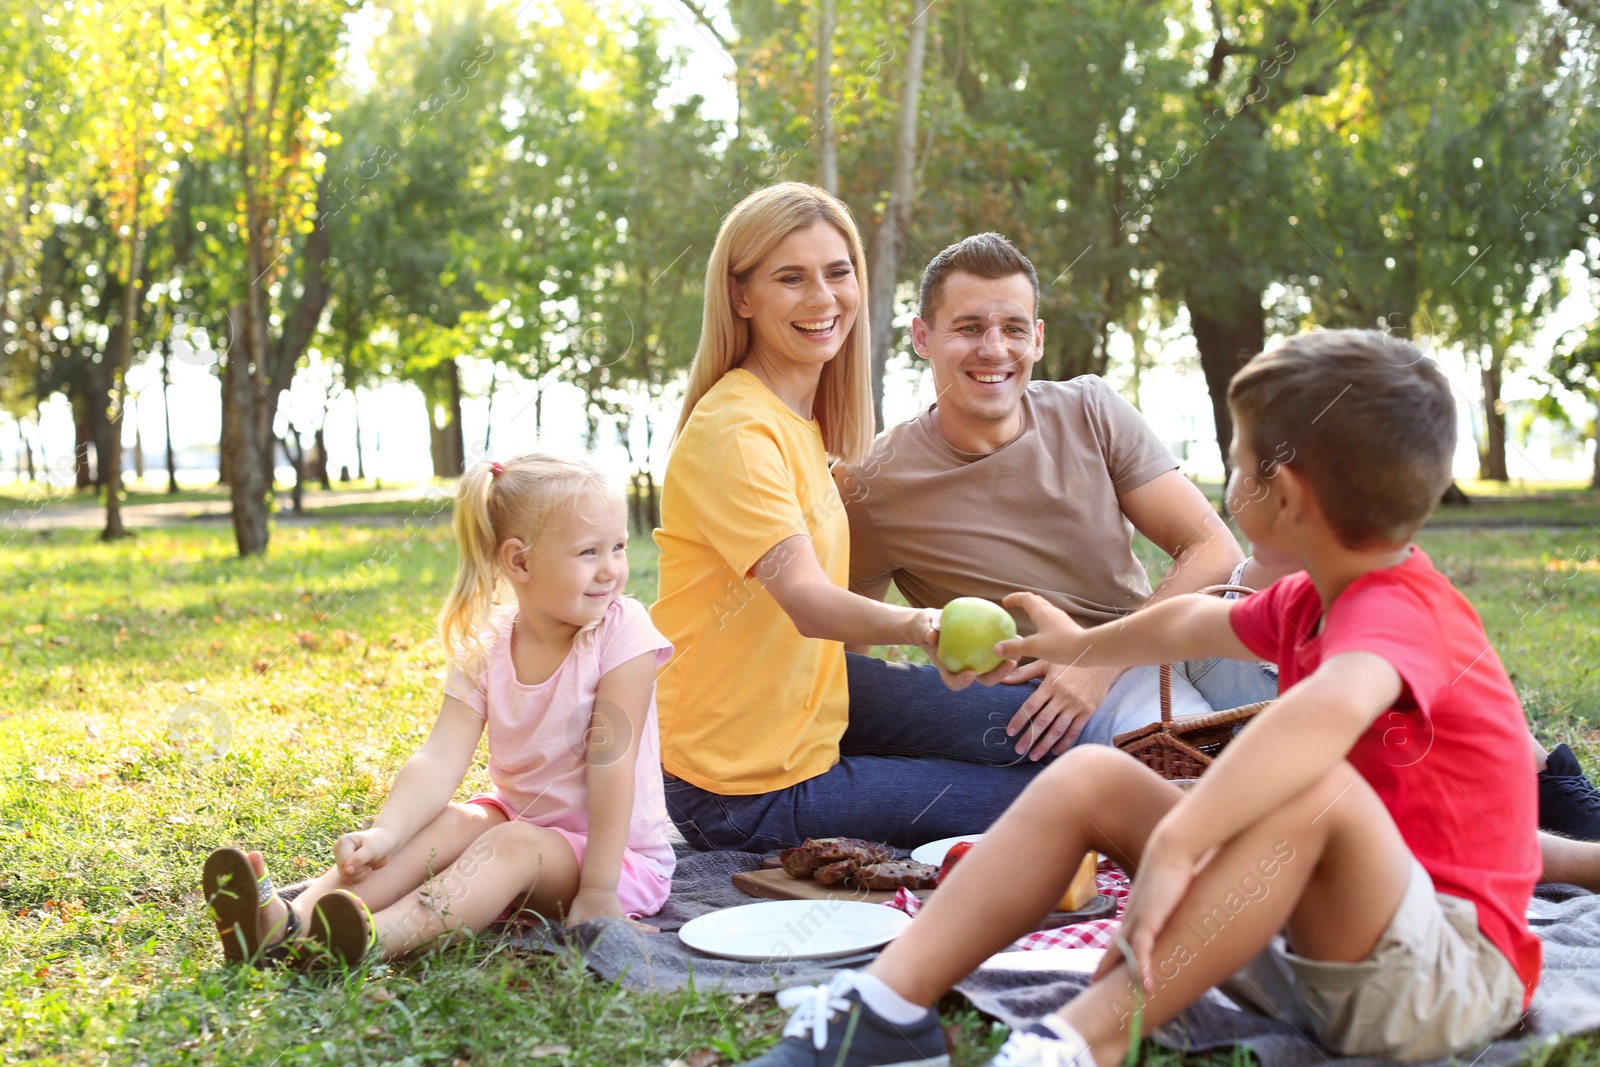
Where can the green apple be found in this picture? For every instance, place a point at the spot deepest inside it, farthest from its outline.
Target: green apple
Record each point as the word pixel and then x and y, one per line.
pixel 969 628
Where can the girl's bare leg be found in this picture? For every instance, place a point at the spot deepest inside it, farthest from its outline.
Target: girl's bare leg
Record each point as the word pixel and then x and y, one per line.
pixel 435 847
pixel 1329 869
pixel 510 862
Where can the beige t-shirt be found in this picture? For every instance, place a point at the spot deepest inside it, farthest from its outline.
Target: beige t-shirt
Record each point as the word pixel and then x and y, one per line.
pixel 1039 514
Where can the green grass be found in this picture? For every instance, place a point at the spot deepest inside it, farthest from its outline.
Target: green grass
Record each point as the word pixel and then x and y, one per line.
pixel 320 656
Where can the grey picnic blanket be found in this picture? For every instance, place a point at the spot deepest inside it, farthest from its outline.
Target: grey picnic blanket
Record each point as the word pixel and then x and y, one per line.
pixel 1568 1000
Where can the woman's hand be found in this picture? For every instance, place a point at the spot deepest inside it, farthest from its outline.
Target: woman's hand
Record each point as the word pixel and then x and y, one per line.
pixel 959 681
pixel 358 854
pixel 600 904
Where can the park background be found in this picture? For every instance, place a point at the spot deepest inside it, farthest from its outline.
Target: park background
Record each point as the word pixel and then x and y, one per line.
pixel 277 241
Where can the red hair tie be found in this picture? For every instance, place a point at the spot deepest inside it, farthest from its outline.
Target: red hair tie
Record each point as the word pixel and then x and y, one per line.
pixel 495 469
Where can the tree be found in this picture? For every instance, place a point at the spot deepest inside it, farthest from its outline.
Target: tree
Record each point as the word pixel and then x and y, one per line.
pixel 1576 368
pixel 273 62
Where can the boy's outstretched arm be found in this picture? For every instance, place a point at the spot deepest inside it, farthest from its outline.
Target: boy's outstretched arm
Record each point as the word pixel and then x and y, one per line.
pixel 1187 627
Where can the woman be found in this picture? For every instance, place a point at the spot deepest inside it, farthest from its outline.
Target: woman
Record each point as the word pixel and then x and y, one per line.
pixel 755 563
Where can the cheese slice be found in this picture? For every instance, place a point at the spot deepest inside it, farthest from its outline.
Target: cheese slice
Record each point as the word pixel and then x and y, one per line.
pixel 1082 889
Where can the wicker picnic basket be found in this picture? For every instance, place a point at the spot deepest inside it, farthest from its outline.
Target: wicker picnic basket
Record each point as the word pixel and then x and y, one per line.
pixel 1184 746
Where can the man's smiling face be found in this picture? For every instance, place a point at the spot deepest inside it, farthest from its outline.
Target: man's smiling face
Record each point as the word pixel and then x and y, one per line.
pixel 983 342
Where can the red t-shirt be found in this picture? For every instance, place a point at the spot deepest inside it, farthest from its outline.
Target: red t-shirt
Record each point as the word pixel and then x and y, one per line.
pixel 1451 759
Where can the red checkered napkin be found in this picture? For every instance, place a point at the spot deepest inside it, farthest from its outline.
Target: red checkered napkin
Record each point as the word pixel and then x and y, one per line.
pixel 1109 880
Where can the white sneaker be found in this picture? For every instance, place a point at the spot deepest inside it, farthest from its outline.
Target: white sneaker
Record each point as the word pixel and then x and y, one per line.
pixel 1039 1046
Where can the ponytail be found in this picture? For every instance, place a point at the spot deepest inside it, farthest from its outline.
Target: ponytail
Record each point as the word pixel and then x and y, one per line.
pixel 469 602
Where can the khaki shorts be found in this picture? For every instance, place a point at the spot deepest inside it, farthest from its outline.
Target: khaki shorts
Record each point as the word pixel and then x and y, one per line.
pixel 1433 985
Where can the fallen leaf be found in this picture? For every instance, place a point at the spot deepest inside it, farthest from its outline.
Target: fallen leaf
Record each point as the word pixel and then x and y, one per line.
pixel 261 666
pixel 33 628
pixel 549 1050
pixel 379 994
pixel 309 640
pixel 703 1057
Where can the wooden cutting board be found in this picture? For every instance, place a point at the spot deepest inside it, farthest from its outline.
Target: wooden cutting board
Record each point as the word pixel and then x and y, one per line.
pixel 777 885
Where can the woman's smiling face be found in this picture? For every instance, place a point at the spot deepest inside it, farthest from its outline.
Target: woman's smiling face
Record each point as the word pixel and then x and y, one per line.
pixel 802 299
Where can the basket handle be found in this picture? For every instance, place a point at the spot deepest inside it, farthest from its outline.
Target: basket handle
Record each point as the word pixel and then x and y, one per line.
pixel 1166 668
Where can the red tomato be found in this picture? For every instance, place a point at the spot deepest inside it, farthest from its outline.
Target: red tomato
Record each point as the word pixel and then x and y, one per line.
pixel 957 850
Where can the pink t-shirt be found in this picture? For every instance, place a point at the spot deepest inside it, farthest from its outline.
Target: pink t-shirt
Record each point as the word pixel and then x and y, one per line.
pixel 1450 760
pixel 537 750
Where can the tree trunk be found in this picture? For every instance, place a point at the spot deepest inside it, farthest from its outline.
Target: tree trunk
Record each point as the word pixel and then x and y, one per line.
pixel 297 459
pixel 166 416
pixel 1076 354
pixel 319 459
pixel 888 243
pixel 138 442
pixel 119 354
pixel 242 447
pixel 827 149
pixel 27 447
pixel 445 438
pixel 1227 336
pixel 1492 450
pixel 361 468
pixel 488 419
pixel 224 454
pixel 1594 477
pixel 82 438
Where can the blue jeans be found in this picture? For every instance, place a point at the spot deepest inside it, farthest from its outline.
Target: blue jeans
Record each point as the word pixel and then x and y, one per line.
pixel 919 762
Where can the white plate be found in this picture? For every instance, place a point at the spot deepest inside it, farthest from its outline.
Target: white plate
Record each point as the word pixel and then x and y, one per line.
pixel 933 852
pixel 1080 960
pixel 794 930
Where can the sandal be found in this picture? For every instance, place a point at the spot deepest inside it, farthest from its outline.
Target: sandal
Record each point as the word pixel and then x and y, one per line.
pixel 236 898
pixel 341 932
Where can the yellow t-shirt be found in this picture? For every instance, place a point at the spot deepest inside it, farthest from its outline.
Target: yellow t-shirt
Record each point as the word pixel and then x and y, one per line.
pixel 746 704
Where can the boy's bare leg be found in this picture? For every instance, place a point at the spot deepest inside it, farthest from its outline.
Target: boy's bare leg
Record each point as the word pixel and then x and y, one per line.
pixel 435 847
pixel 1573 862
pixel 1091 797
pixel 1339 869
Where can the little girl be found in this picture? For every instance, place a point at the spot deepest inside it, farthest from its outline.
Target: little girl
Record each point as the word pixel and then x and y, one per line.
pixel 576 825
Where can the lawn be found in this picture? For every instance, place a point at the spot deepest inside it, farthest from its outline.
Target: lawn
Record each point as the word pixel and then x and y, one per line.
pixel 320 664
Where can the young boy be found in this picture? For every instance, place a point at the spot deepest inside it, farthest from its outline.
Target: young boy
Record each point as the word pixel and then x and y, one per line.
pixel 1379 816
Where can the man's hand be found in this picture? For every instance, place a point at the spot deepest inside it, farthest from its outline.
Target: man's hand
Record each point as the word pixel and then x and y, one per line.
pixel 1056 636
pixel 1052 718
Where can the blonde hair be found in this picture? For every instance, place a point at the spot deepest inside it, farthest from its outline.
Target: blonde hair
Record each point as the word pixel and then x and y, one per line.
pixel 495 502
pixel 748 235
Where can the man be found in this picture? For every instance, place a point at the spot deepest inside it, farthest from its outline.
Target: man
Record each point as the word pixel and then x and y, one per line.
pixel 1004 484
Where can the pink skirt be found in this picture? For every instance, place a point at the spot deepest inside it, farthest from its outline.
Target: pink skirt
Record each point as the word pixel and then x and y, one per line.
pixel 641 889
